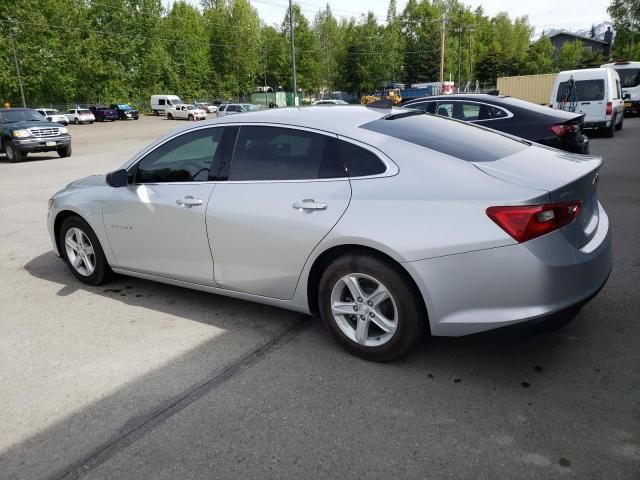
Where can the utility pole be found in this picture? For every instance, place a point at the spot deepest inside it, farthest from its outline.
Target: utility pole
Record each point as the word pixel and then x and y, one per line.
pixel 15 57
pixel 293 56
pixel 470 61
pixel 442 52
pixel 459 56
pixel 632 34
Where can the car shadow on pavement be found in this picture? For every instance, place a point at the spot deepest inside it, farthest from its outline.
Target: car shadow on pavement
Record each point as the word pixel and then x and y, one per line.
pixel 31 158
pixel 88 436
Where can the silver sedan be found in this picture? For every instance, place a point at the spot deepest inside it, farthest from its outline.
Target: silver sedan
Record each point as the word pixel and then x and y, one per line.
pixel 385 224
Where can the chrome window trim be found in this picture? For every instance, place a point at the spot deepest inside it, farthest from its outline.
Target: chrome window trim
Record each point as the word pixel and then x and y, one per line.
pixel 478 102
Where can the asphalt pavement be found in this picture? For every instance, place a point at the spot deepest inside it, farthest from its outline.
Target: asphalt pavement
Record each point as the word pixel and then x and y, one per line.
pixel 137 380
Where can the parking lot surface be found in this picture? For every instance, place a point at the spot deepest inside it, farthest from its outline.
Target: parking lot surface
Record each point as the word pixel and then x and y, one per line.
pixel 137 380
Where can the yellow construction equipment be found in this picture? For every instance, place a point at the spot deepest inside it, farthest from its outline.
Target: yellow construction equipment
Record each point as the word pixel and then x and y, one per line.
pixel 392 94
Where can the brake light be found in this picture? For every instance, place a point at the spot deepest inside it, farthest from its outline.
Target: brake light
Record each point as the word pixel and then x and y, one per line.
pixel 526 222
pixel 560 130
pixel 609 108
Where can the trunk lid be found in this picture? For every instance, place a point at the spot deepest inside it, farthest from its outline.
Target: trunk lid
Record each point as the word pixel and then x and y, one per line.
pixel 565 176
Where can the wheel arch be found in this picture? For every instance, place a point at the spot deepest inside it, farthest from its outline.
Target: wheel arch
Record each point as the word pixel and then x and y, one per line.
pixel 325 258
pixel 57 225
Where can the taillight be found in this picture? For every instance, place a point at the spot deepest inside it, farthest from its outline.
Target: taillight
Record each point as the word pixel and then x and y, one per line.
pixel 560 129
pixel 525 222
pixel 609 108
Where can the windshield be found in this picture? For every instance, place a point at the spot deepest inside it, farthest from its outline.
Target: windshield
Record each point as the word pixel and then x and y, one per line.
pixel 124 106
pixel 12 116
pixel 629 77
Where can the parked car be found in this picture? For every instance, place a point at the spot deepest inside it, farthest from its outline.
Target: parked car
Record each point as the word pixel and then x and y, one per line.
pixel 231 108
pixel 80 115
pixel 596 92
pixel 207 107
pixel 53 115
pixel 24 131
pixel 629 73
pixel 104 113
pixel 329 101
pixel 161 103
pixel 384 224
pixel 186 112
pixel 553 128
pixel 125 111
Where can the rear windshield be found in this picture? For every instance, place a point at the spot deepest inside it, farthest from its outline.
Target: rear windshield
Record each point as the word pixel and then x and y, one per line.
pixel 629 77
pixel 585 91
pixel 451 137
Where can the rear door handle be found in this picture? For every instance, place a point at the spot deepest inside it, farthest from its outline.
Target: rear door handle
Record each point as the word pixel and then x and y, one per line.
pixel 189 202
pixel 308 205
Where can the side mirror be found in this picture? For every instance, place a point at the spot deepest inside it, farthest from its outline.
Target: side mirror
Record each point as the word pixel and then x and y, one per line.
pixel 119 178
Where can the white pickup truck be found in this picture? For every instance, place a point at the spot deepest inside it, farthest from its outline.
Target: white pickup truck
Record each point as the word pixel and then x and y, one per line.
pixel 187 112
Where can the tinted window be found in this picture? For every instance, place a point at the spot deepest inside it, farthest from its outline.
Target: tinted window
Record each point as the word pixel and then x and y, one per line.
pixel 186 158
pixel 585 91
pixel 422 106
pixel 457 139
pixel 629 77
pixel 161 101
pixel 274 153
pixel 359 161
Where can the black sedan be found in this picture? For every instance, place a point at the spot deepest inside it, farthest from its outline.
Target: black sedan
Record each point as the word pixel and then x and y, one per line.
pixel 555 128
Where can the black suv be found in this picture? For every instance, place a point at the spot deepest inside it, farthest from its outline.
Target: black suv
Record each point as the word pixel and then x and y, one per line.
pixel 125 111
pixel 24 130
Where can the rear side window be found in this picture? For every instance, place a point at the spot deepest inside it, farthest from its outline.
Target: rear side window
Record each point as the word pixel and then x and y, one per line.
pixel 585 90
pixel 457 139
pixel 275 153
pixel 161 101
pixel 629 77
pixel 359 161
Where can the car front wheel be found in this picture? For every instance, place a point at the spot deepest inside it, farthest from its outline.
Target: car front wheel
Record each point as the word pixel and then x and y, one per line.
pixel 13 154
pixel 76 121
pixel 82 252
pixel 64 152
pixel 370 307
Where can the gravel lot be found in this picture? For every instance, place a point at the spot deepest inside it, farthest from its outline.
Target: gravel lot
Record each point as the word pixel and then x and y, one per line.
pixel 140 380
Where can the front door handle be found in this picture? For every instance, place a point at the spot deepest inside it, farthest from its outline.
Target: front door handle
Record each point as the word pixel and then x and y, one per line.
pixel 189 202
pixel 308 205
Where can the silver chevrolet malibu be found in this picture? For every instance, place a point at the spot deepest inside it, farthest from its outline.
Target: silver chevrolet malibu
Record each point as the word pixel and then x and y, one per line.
pixel 384 223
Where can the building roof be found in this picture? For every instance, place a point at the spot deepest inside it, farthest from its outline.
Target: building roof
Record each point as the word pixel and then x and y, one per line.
pixel 579 37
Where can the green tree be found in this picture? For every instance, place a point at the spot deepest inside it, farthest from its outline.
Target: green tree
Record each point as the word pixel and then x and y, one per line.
pixel 626 19
pixel 569 56
pixel 539 57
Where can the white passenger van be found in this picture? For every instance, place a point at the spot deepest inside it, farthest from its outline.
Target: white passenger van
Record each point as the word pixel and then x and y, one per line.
pixel 161 103
pixel 629 73
pixel 596 92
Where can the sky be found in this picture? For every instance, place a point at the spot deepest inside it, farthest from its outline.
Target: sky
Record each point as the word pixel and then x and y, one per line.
pixel 543 14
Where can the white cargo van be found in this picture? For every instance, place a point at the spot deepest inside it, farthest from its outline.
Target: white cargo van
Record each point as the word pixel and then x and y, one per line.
pixel 596 92
pixel 629 73
pixel 161 103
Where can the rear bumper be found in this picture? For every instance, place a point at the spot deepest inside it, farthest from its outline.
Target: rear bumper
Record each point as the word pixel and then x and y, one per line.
pixel 488 289
pixel 28 145
pixel 632 106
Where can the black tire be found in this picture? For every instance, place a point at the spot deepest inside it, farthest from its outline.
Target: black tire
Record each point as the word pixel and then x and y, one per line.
pixel 611 129
pixel 136 118
pixel 156 113
pixel 411 317
pixel 102 272
pixel 190 118
pixel 90 123
pixel 64 152
pixel 169 116
pixel 619 126
pixel 76 121
pixel 13 154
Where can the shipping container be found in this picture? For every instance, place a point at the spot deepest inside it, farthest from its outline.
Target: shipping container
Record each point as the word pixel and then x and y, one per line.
pixel 533 88
pixel 279 99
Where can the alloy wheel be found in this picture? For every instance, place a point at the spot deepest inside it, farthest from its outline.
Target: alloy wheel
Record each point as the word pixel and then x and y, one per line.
pixel 364 309
pixel 80 252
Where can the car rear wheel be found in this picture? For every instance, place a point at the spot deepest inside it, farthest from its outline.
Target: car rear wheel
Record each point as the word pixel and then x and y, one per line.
pixel 611 129
pixel 76 121
pixel 190 118
pixel 64 152
pixel 370 307
pixel 619 126
pixel 13 154
pixel 169 116
pixel 82 252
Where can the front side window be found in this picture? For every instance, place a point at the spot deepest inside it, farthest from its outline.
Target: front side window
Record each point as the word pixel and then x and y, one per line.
pixel 187 158
pixel 275 153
